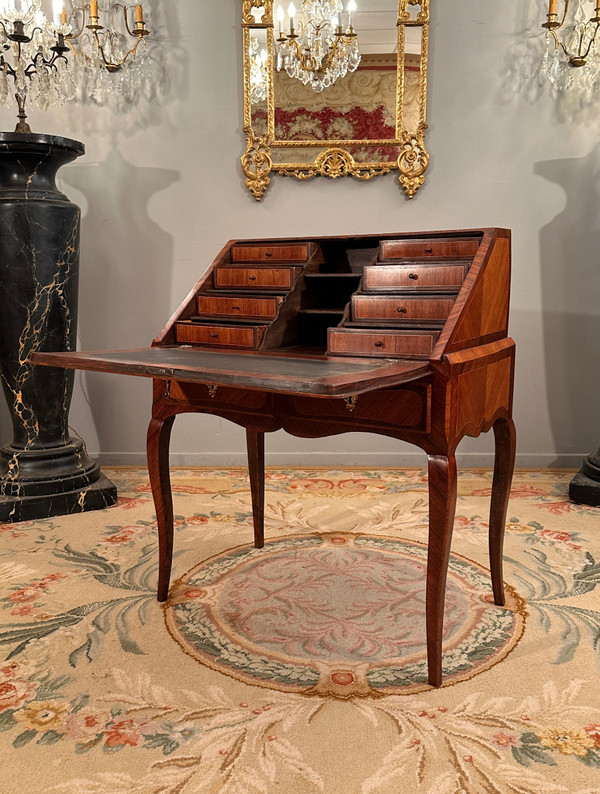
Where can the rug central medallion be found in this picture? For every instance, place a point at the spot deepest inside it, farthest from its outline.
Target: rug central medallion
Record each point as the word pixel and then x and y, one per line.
pixel 337 614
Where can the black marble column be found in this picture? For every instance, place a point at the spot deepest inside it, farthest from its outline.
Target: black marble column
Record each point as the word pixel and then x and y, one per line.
pixel 43 472
pixel 584 488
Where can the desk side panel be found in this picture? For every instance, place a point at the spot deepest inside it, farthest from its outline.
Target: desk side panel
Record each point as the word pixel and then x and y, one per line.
pixel 480 314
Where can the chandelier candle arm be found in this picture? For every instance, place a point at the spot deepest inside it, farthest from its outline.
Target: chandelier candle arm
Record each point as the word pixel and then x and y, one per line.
pixel 577 47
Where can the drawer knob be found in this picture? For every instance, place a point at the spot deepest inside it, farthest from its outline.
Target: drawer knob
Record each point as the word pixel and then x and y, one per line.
pixel 414 276
pixel 251 278
pixel 378 344
pixel 268 253
pixel 235 308
pixel 429 250
pixel 214 336
pixel 401 310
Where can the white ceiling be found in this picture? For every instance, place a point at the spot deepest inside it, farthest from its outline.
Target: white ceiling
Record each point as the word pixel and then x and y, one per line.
pixel 375 23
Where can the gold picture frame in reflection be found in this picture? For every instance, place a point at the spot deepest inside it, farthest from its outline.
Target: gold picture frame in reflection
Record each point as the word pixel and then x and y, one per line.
pixel 369 122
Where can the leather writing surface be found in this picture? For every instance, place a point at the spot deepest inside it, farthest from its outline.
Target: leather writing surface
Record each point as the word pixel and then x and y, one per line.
pixel 324 376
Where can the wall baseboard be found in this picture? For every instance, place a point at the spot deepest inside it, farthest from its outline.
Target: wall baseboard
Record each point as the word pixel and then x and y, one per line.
pixel 340 459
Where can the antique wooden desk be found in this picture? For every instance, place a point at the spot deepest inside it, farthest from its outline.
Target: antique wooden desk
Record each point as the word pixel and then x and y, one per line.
pixel 404 335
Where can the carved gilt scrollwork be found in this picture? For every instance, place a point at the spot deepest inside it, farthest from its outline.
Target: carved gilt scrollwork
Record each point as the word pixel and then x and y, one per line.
pixel 337 162
pixel 413 161
pixel 405 16
pixel 248 17
pixel 256 164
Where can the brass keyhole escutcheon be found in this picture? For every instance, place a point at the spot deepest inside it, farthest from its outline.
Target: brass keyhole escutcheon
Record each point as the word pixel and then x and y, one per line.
pixel 401 310
pixel 351 402
pixel 212 389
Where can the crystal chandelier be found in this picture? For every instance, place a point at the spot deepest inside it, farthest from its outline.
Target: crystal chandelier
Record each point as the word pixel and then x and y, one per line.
pixel 321 51
pixel 32 58
pixel 34 50
pixel 259 79
pixel 577 48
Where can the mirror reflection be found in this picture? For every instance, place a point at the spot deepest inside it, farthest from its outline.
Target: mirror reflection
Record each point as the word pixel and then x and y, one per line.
pixel 334 90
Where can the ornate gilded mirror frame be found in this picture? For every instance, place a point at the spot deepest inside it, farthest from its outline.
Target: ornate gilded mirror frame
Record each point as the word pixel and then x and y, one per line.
pixel 265 154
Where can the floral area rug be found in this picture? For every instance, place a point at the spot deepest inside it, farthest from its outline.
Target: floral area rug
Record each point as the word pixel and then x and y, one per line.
pixel 300 668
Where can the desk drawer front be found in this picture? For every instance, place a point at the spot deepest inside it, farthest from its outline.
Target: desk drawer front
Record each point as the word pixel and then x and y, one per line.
pixel 387 344
pixel 365 307
pixel 397 249
pixel 255 278
pixel 397 407
pixel 238 307
pixel 269 253
pixel 389 277
pixel 220 335
pixel 224 397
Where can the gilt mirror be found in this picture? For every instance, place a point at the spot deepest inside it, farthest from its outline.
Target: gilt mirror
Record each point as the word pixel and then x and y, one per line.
pixel 334 89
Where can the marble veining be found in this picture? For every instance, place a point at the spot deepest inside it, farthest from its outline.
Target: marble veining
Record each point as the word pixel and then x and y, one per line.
pixel 43 471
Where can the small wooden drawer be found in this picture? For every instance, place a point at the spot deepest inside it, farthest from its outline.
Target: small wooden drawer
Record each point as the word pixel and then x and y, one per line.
pixel 398 249
pixel 223 398
pixel 256 277
pixel 269 253
pixel 220 335
pixel 248 308
pixel 393 277
pixel 366 307
pixel 387 344
pixel 405 407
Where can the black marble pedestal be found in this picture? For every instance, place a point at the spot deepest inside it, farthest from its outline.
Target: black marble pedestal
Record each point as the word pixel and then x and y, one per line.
pixel 584 488
pixel 43 472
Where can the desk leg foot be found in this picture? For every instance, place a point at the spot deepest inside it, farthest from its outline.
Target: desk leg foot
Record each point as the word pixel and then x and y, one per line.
pixel 442 506
pixel 159 434
pixel 504 464
pixel 256 468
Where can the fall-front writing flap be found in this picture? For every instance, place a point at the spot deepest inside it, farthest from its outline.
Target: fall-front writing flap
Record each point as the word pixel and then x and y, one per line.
pixel 324 376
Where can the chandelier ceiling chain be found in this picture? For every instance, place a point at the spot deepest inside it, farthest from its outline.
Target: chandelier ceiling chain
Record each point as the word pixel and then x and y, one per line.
pixel 320 51
pixel 34 49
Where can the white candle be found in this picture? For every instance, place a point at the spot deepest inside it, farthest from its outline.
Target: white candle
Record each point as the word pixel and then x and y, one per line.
pixel 351 8
pixel 57 11
pixel 291 14
pixel 280 15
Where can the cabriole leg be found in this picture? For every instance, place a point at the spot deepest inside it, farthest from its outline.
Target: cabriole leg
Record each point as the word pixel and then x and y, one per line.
pixel 504 464
pixel 159 434
pixel 256 468
pixel 442 506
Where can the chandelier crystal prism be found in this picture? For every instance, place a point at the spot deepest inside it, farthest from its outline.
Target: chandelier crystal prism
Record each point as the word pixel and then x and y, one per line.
pixel 259 78
pixel 318 50
pixel 50 59
pixel 572 52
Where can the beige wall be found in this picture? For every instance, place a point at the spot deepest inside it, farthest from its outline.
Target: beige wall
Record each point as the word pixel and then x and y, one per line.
pixel 161 191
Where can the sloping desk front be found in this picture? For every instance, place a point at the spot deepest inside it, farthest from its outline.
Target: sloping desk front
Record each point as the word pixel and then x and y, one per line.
pixel 401 335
